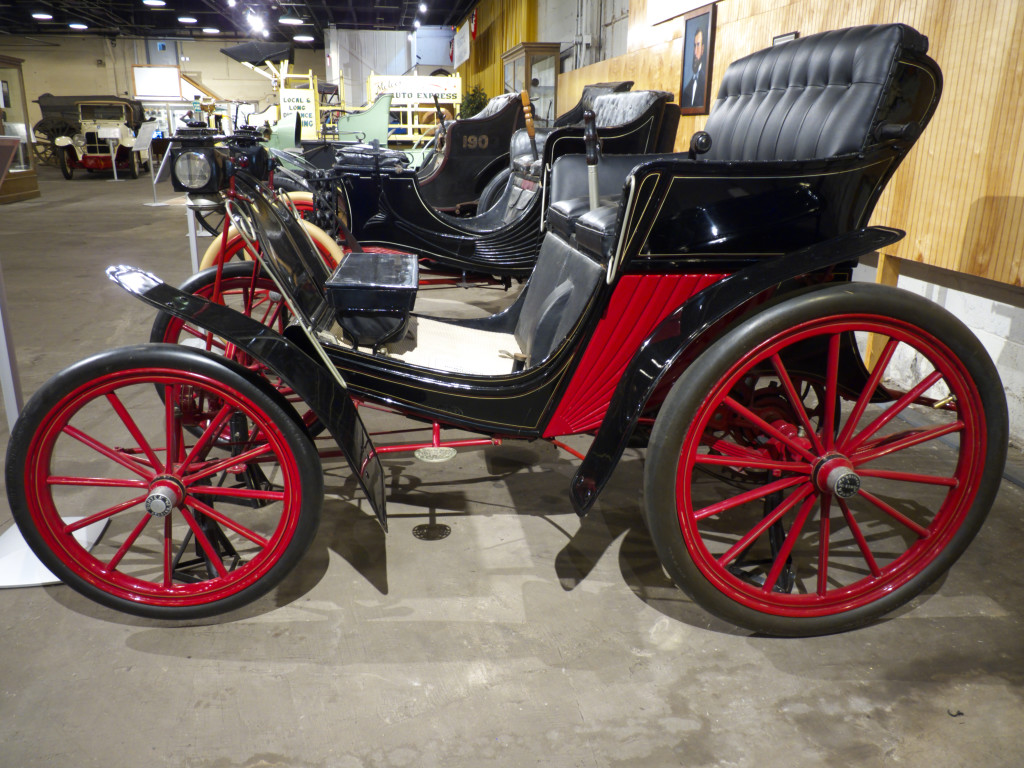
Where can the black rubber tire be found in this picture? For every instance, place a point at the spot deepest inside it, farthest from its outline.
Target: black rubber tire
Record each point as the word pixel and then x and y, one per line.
pixel 39 449
pixel 133 164
pixel 682 536
pixel 64 163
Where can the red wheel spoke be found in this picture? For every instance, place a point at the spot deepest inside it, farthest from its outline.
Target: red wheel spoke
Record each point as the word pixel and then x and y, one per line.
pixel 168 554
pixel 824 538
pixel 237 493
pixel 96 482
pixel 224 464
pixel 114 454
pixel 204 542
pixel 766 522
pixel 209 435
pixel 796 402
pixel 226 521
pixel 897 516
pixel 123 549
pixel 908 477
pixel 752 462
pixel 134 430
pixel 831 391
pixel 869 389
pixel 874 449
pixel 743 498
pixel 858 536
pixel 892 412
pixel 753 418
pixel 172 423
pixel 103 514
pixel 787 545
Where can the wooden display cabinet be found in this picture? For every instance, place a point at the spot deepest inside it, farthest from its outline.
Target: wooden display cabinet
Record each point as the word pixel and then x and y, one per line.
pixel 21 182
pixel 534 67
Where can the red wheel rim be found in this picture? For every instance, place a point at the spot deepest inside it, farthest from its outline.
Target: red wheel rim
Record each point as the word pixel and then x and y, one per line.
pixel 833 507
pixel 102 453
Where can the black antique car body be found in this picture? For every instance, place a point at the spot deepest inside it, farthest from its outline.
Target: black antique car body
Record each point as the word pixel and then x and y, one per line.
pixel 791 483
pixel 384 204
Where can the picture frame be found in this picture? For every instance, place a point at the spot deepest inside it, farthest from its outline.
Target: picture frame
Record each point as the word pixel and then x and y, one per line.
pixel 5 95
pixel 698 55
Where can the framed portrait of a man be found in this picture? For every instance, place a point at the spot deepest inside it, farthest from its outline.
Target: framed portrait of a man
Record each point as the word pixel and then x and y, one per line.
pixel 698 48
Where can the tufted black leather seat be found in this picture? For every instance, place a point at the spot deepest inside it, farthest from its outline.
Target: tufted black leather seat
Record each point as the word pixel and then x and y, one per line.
pixel 813 97
pixel 611 111
pixel 590 92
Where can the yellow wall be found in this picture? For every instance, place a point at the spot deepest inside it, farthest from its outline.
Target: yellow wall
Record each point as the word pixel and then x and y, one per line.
pixel 501 24
pixel 960 194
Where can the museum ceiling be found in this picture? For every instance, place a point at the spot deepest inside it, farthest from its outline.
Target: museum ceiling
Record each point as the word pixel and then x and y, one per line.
pixel 234 19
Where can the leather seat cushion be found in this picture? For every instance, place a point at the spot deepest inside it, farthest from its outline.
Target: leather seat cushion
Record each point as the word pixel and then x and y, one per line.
pixel 595 232
pixel 563 214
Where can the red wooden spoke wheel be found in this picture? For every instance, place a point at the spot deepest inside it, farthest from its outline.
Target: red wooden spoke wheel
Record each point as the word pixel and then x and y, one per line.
pixel 256 297
pixel 791 491
pixel 134 441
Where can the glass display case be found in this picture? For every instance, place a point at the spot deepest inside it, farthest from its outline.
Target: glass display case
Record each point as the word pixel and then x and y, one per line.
pixel 21 182
pixel 534 67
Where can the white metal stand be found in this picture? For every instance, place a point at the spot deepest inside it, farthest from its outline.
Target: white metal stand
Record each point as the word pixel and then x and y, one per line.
pixel 19 567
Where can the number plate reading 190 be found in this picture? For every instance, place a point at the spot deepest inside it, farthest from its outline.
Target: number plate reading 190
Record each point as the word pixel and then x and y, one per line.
pixel 475 142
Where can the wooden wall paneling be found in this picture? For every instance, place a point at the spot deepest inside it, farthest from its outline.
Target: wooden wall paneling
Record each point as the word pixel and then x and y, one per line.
pixel 960 193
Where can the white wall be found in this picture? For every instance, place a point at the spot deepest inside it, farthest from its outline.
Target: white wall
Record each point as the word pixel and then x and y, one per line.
pixel 994 312
pixel 592 30
pixel 355 55
pixel 68 65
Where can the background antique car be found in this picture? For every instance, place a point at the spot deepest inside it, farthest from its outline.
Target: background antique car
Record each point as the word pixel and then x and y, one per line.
pixel 97 121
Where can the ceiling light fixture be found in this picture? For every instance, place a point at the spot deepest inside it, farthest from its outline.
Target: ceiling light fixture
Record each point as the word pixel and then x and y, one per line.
pixel 416 23
pixel 155 3
pixel 78 25
pixel 294 20
pixel 42 16
pixel 303 38
pixel 423 7
pixel 211 30
pixel 187 19
pixel 231 3
pixel 255 22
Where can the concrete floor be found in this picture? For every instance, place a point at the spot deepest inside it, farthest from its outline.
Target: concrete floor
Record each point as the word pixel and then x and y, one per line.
pixel 525 637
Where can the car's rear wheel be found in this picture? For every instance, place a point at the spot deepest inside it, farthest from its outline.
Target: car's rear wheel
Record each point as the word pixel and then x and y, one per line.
pixel 776 509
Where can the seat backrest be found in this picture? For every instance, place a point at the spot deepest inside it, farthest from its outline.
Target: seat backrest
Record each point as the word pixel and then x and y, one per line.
pixel 814 97
pixel 612 109
pixel 494 106
pixel 590 92
pixel 555 298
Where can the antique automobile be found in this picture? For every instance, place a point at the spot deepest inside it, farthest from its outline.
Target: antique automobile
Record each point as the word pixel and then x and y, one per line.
pixel 383 206
pixel 819 450
pixel 107 127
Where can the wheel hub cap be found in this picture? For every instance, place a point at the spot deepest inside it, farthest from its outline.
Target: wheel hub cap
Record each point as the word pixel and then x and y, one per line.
pixel 164 495
pixel 835 475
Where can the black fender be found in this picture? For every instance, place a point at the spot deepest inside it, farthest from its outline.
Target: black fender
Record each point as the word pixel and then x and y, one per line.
pixel 683 328
pixel 309 378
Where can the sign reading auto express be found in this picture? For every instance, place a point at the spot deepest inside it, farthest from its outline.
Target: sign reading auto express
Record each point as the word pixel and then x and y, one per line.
pixel 413 89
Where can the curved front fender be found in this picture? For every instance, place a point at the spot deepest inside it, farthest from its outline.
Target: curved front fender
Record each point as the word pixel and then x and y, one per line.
pixel 309 379
pixel 680 330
